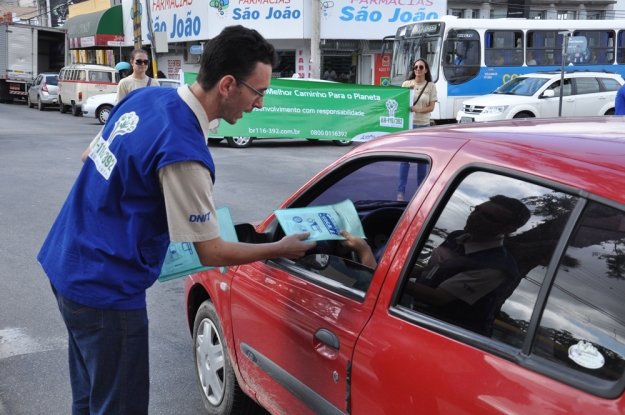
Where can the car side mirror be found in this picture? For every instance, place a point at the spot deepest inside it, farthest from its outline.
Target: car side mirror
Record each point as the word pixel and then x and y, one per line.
pixel 549 93
pixel 247 233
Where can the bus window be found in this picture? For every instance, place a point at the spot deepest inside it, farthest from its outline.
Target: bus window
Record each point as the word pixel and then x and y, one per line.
pixel 503 48
pixel 461 56
pixel 600 47
pixel 620 51
pixel 546 46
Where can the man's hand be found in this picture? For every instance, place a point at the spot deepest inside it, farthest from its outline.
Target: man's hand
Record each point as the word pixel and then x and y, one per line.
pixel 294 246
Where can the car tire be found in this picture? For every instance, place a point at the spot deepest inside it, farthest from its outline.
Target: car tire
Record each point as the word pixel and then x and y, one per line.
pixel 62 107
pixel 102 114
pixel 29 102
pixel 609 112
pixel 524 114
pixel 214 140
pixel 239 142
pixel 342 143
pixel 40 105
pixel 76 111
pixel 220 391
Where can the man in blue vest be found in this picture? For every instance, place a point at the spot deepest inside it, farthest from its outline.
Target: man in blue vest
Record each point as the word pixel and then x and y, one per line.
pixel 146 179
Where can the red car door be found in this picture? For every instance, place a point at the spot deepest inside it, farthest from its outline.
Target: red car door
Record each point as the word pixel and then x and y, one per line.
pixel 294 328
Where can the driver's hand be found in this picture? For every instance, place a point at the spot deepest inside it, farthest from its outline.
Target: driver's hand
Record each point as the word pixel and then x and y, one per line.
pixel 360 246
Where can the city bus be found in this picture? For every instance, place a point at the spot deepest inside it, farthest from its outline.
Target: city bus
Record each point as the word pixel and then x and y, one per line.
pixel 472 57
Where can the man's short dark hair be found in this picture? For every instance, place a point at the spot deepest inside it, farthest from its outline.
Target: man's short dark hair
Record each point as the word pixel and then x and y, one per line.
pixel 520 213
pixel 235 51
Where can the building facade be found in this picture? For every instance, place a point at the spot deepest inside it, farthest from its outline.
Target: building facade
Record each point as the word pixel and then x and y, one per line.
pixel 351 32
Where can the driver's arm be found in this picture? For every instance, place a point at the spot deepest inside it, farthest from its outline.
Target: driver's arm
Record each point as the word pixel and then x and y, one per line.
pixel 361 247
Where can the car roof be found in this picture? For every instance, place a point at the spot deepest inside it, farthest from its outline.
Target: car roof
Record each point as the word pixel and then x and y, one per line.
pixel 569 73
pixel 89 66
pixel 597 141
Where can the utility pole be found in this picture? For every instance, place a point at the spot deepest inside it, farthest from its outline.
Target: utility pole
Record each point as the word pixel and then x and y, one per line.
pixel 136 23
pixel 153 39
pixel 565 44
pixel 315 39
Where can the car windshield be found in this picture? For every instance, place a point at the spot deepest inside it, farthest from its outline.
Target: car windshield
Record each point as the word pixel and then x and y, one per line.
pixel 521 86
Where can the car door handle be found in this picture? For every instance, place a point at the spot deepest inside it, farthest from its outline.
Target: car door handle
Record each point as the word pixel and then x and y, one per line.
pixel 602 97
pixel 570 100
pixel 328 338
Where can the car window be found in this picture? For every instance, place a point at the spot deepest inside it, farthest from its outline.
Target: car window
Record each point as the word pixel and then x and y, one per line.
pixel 587 86
pixel 52 80
pixel 566 90
pixel 521 86
pixel 610 84
pixel 100 76
pixel 373 188
pixel 483 261
pixel 82 76
pixel 583 323
pixel 168 84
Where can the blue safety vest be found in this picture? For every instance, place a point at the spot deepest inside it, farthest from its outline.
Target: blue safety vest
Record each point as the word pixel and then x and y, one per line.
pixel 109 241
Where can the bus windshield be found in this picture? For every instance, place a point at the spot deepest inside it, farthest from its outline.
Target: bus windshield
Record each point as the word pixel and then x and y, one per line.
pixel 407 51
pixel 521 86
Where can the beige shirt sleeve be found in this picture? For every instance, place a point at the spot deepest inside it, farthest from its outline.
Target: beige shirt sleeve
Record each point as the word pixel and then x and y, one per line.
pixel 188 191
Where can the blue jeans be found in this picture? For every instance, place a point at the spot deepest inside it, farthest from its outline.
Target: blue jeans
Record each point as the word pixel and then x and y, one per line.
pixel 404 169
pixel 108 359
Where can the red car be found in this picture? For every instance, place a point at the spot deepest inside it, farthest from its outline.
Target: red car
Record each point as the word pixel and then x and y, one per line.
pixel 498 286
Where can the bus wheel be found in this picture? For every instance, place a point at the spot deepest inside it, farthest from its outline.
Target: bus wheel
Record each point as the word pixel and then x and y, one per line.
pixel 524 115
pixel 342 143
pixel 239 142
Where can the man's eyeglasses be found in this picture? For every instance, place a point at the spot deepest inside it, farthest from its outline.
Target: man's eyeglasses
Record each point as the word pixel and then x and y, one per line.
pixel 142 62
pixel 260 94
pixel 488 216
pixel 419 67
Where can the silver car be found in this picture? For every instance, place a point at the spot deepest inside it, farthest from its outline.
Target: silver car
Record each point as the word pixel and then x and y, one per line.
pixel 44 91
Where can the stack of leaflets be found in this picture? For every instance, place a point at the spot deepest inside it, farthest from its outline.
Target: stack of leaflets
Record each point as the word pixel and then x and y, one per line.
pixel 323 222
pixel 181 258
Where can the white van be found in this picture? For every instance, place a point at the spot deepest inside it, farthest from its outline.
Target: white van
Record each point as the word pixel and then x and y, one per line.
pixel 80 81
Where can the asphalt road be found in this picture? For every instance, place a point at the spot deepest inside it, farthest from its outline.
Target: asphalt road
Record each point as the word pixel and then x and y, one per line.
pixel 39 161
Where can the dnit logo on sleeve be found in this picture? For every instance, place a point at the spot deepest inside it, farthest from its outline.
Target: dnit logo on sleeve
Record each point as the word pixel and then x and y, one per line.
pixel 200 218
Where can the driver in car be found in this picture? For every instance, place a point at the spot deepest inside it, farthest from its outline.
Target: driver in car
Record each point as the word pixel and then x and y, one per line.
pixel 470 274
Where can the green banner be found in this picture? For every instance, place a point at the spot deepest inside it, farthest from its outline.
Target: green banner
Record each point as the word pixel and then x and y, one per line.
pixel 295 108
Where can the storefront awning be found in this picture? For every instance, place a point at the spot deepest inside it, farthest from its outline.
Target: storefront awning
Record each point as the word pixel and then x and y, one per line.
pixel 97 30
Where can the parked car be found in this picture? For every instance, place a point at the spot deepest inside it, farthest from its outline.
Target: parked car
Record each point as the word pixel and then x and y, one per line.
pixel 99 106
pixel 79 81
pixel 168 83
pixel 538 95
pixel 43 91
pixel 499 286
